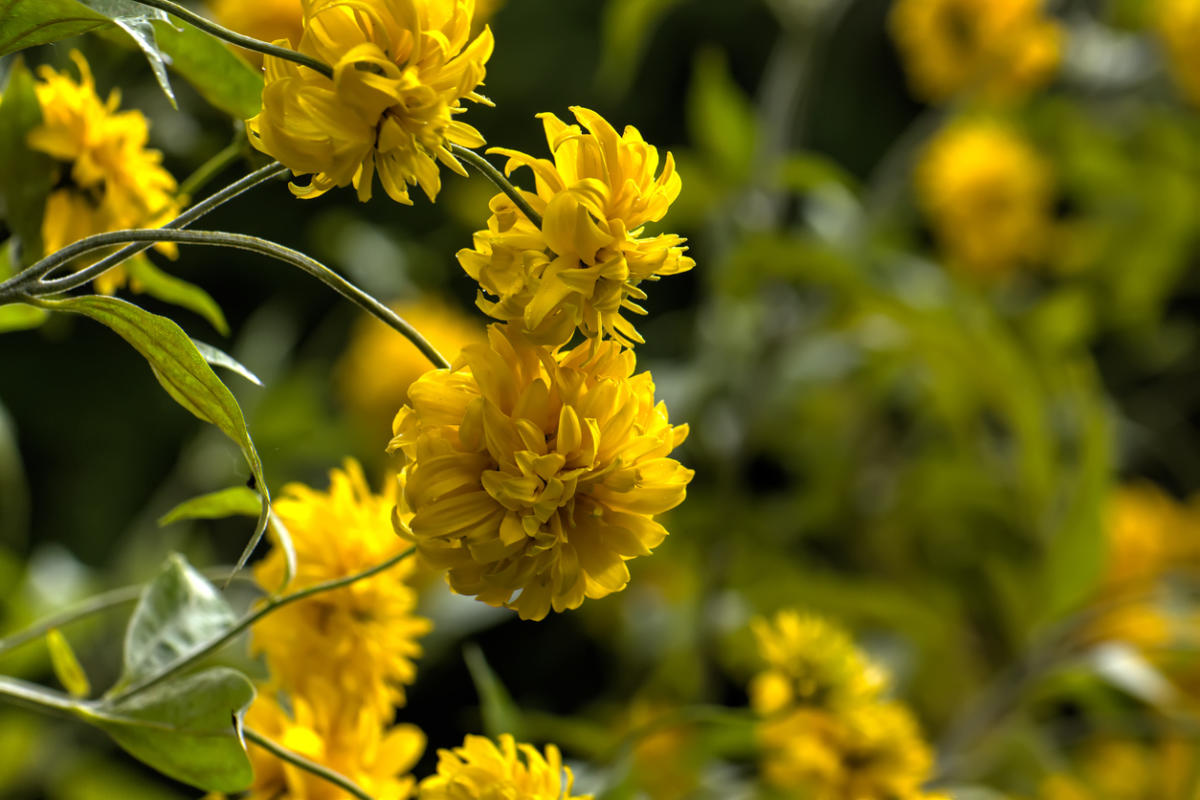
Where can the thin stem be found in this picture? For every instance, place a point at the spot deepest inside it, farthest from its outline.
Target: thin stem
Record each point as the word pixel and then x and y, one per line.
pixel 250 43
pixel 255 245
pixel 213 167
pixel 245 622
pixel 502 183
pixel 295 759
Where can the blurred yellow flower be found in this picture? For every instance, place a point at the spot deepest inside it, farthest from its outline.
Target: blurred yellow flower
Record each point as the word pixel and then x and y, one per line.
pixel 108 179
pixel 1000 48
pixel 1146 532
pixel 401 69
pixel 267 20
pixel 584 266
pixel 373 754
pixel 810 662
pixel 479 770
pixel 987 195
pixel 1127 769
pixel 537 473
pixel 1178 23
pixel 357 642
pixel 374 373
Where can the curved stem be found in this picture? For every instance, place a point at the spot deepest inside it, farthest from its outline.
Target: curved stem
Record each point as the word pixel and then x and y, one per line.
pixel 245 622
pixel 248 42
pixel 242 242
pixel 502 183
pixel 295 759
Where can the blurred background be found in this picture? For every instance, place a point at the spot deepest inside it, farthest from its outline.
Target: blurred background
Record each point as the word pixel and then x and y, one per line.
pixel 939 357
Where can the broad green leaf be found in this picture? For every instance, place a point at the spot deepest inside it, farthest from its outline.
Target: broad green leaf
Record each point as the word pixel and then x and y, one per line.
pixel 26 176
pixel 188 729
pixel 500 713
pixel 20 317
pixel 219 358
pixel 67 668
pixel 234 501
pixel 27 23
pixel 145 277
pixel 178 613
pixel 720 117
pixel 221 78
pixel 183 372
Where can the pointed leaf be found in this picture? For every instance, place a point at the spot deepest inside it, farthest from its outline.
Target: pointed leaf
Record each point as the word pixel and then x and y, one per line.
pixel 25 175
pixel 219 358
pixel 67 668
pixel 145 277
pixel 234 501
pixel 183 372
pixel 216 72
pixel 178 613
pixel 135 20
pixel 500 713
pixel 188 729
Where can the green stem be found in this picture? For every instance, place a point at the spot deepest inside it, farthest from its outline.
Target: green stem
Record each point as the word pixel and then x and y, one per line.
pixel 250 43
pixel 213 167
pixel 245 622
pixel 502 183
pixel 242 242
pixel 36 698
pixel 323 772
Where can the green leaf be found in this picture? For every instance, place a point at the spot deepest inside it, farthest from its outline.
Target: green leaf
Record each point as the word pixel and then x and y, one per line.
pixel 221 78
pixel 145 277
pixel 26 23
pixel 627 27
pixel 26 175
pixel 183 372
pixel 219 358
pixel 720 117
pixel 234 501
pixel 188 729
pixel 178 613
pixel 67 668
pixel 20 317
pixel 500 713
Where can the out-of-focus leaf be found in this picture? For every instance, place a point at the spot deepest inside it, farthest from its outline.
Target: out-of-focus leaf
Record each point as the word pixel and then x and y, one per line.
pixel 627 27
pixel 21 317
pixel 185 375
pixel 803 172
pixel 178 613
pixel 720 117
pixel 500 714
pixel 67 668
pixel 188 729
pixel 27 23
pixel 221 78
pixel 145 277
pixel 234 501
pixel 219 358
pixel 25 175
pixel 14 491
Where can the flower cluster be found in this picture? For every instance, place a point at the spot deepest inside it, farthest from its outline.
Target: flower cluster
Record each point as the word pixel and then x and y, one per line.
pixel 401 69
pixel 535 473
pixel 108 179
pixel 987 194
pixel 479 770
pixel 584 265
pixel 826 731
pixel 1001 49
pixel 341 658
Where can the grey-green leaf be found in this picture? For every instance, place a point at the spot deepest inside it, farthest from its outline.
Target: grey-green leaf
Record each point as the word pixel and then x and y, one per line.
pixel 25 175
pixel 189 729
pixel 185 375
pixel 234 501
pixel 178 613
pixel 219 358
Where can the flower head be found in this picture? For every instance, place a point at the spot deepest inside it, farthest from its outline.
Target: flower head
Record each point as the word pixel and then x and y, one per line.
pixel 1002 48
pixel 987 195
pixel 584 266
pixel 812 663
pixel 479 770
pixel 401 69
pixel 358 641
pixel 108 178
pixel 537 472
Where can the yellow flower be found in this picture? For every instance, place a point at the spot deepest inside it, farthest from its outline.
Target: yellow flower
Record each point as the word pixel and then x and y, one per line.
pixel 584 266
pixel 358 641
pixel 267 20
pixel 1146 532
pixel 479 770
pixel 810 663
pixel 987 195
pixel 1001 48
pixel 108 178
pixel 537 471
pixel 377 368
pixel 401 69
pixel 1178 23
pixel 374 755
